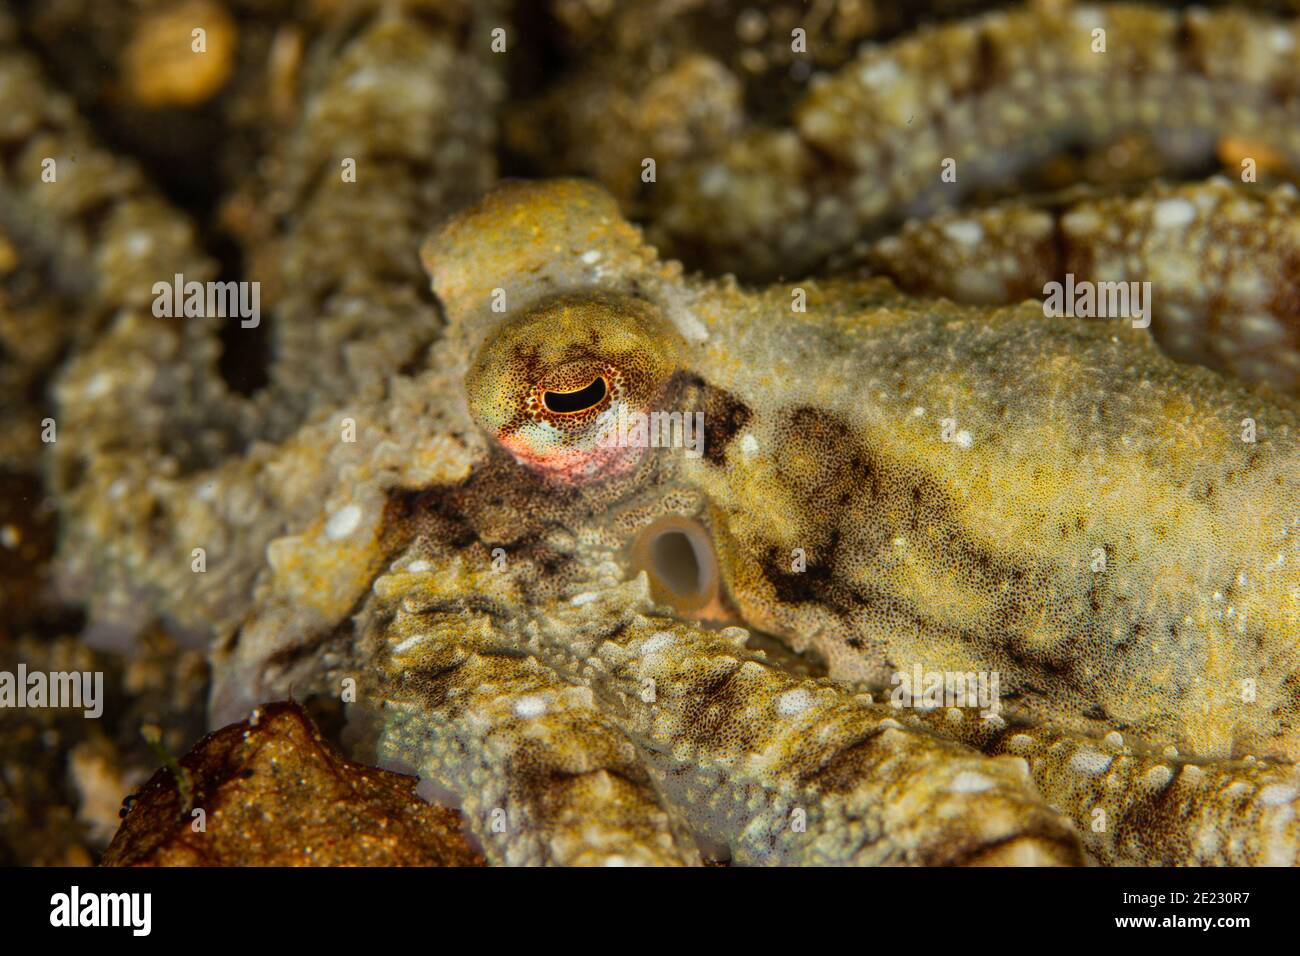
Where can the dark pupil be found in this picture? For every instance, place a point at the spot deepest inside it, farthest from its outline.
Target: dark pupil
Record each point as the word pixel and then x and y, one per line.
pixel 583 398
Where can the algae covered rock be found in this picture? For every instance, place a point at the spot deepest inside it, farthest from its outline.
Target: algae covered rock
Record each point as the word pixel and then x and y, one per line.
pixel 271 791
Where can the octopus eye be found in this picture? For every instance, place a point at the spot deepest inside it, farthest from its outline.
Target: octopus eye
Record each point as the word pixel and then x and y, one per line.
pixel 570 402
pixel 553 385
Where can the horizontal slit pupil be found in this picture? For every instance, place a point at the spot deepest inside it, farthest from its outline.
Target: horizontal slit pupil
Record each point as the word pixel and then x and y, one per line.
pixel 582 399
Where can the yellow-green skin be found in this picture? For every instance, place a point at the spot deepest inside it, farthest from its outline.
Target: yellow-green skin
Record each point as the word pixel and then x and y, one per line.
pixel 365 534
pixel 971 490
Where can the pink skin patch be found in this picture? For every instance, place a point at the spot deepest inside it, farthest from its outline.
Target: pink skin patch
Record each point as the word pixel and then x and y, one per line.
pixel 573 466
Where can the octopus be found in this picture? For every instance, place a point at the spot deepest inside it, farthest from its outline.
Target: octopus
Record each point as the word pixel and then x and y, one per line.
pixel 637 564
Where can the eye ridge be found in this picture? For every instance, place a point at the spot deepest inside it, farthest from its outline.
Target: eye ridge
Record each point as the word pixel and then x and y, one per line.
pixel 580 400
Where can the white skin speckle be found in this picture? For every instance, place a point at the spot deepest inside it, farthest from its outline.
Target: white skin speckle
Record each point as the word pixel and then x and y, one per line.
pixel 1090 762
pixel 1207 841
pixel 1113 739
pixel 1174 213
pixel 139 244
pixel 964 231
pixel 1278 794
pixel 963 440
pixel 343 522
pixel 749 445
pixel 586 597
pixel 419 566
pixel 1020 742
pixel 713 181
pixel 1248 287
pixel 530 707
pixel 591 257
pixel 793 702
pixel 1087 18
pixel 968 781
pixel 410 642
pixel 880 74
pixel 691 327
pixel 1159 776
pixel 658 642
pixel 1263 329
pixel 1081 222
pixel 99 385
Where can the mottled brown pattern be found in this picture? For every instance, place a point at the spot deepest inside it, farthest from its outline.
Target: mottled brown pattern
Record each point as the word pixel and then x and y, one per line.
pixel 887 481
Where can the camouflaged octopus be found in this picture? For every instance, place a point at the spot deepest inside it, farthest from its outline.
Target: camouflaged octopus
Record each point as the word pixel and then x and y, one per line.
pixel 576 639
pixel 602 708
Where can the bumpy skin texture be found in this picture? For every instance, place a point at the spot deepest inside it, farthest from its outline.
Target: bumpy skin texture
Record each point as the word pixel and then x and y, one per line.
pixel 680 79
pixel 82 222
pixel 1142 807
pixel 624 736
pixel 1070 439
pixel 153 428
pixel 1223 262
pixel 995 94
pixel 508 647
